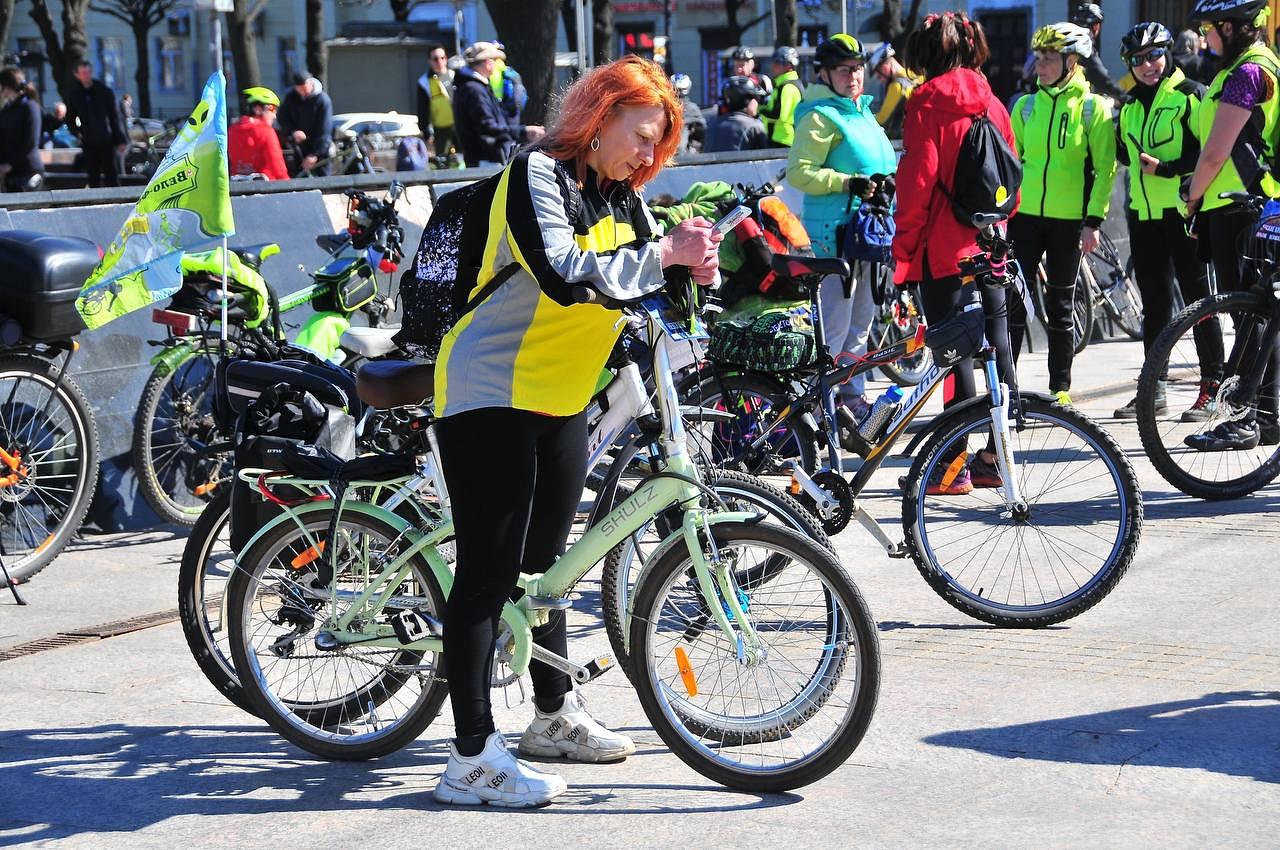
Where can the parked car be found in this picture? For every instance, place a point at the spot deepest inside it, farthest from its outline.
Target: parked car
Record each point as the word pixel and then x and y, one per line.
pixel 380 130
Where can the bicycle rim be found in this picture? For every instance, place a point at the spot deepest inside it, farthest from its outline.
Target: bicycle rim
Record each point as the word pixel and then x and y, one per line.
pixel 785 719
pixel 354 703
pixel 1055 560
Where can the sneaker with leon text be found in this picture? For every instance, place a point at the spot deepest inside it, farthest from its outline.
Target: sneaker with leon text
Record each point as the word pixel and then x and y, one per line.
pixel 495 777
pixel 574 734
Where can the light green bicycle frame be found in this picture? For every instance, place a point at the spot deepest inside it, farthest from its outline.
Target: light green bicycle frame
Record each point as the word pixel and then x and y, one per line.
pixel 673 486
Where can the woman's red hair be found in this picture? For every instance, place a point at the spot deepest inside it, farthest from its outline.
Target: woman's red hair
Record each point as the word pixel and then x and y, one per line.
pixel 588 103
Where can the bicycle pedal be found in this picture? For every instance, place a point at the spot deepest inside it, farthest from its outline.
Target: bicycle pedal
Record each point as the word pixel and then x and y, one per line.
pixel 597 667
pixel 411 626
pixel 545 603
pixel 897 550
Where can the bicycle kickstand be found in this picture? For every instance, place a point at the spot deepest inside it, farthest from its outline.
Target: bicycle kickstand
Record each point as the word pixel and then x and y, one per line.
pixel 13 586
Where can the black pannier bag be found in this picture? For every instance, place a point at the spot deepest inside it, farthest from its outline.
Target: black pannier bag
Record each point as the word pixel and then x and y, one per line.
pixel 40 279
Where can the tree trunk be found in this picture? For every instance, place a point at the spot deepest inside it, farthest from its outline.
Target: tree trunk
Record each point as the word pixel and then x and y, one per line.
pixel 240 40
pixel 142 77
pixel 525 28
pixel 569 16
pixel 63 53
pixel 6 22
pixel 602 32
pixel 784 13
pixel 893 26
pixel 317 58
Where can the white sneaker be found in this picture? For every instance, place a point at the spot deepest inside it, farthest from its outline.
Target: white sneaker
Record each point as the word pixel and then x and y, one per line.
pixel 573 733
pixel 495 777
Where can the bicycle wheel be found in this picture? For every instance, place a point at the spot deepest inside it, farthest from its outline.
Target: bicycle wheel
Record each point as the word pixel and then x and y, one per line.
pixel 757 403
pixel 1175 358
pixel 624 562
pixel 1042 564
pixel 173 428
pixel 357 702
pixel 50 463
pixel 207 564
pixel 897 320
pixel 792 714
pixel 1123 298
pixel 1082 313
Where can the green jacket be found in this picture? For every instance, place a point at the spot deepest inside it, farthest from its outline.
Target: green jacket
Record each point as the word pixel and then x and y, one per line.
pixel 1061 157
pixel 779 110
pixel 1169 131
pixel 1255 147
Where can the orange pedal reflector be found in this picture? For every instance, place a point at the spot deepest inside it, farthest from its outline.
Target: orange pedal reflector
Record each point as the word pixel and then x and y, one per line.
pixel 955 469
pixel 308 556
pixel 795 487
pixel 205 489
pixel 686 671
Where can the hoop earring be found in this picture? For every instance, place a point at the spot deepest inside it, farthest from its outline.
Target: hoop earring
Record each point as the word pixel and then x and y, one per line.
pixel 595 143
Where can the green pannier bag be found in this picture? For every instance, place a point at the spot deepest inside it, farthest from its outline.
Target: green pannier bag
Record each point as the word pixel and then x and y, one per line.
pixel 774 340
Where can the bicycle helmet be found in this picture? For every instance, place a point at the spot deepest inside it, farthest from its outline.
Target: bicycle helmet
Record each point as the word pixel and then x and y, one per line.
pixel 737 90
pixel 742 54
pixel 785 55
pixel 1251 12
pixel 1065 38
pixel 841 47
pixel 1144 36
pixel 682 83
pixel 261 94
pixel 1087 14
pixel 880 55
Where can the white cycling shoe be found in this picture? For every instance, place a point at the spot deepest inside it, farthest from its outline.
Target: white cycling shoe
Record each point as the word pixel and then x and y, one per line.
pixel 495 777
pixel 574 734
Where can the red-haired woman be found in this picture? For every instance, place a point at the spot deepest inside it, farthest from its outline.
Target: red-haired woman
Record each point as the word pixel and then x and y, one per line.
pixel 948 50
pixel 512 380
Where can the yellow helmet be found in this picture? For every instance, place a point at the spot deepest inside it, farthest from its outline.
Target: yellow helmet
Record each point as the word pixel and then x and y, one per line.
pixel 1064 37
pixel 261 94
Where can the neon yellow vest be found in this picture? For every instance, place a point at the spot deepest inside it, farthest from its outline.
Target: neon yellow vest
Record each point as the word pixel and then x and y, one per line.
pixel 1228 179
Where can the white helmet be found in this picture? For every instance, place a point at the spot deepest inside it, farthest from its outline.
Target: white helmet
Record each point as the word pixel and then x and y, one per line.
pixel 880 55
pixel 1064 37
pixel 682 83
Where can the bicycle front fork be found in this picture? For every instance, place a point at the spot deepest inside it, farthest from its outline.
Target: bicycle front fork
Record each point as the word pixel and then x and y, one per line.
pixel 1000 431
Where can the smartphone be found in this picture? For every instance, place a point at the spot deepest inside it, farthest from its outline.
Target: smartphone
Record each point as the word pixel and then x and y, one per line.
pixel 731 219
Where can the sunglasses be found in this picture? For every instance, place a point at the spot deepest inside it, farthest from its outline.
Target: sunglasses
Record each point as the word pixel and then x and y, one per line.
pixel 1150 56
pixel 847 70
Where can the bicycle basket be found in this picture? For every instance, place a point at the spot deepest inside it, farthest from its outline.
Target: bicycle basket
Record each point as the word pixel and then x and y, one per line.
pixel 775 341
pixel 1262 248
pixel 958 336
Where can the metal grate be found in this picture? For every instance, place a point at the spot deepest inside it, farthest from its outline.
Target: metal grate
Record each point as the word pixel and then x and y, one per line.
pixel 52 642
pixel 89 634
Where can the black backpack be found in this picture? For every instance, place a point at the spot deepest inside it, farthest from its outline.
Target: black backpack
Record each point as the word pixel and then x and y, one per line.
pixel 988 173
pixel 434 290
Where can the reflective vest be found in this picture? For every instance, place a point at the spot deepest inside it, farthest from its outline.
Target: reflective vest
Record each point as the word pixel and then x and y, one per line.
pixel 1255 147
pixel 1163 133
pixel 779 110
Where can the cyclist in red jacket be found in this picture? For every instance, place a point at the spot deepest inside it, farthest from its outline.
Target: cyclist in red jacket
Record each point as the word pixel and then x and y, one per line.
pixel 252 144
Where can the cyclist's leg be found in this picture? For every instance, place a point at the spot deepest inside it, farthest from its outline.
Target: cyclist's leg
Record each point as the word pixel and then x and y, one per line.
pixel 837 323
pixel 489 458
pixel 1062 262
pixel 863 311
pixel 1193 280
pixel 939 298
pixel 1028 248
pixel 1151 246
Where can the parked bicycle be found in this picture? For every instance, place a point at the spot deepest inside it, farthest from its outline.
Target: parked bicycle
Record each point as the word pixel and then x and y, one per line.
pixel 178 450
pixel 1045 545
pixel 48 434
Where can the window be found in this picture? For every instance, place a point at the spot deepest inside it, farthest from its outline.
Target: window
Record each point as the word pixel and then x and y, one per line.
pixel 287 50
pixel 180 22
pixel 111 61
pixel 170 69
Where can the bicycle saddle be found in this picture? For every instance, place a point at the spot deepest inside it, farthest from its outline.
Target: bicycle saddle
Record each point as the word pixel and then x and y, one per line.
pixel 253 255
pixel 370 342
pixel 395 383
pixel 799 267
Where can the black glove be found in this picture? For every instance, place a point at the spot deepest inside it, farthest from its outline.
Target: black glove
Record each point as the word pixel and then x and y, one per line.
pixel 859 185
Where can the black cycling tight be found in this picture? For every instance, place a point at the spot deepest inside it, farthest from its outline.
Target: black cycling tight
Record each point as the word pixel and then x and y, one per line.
pixel 1058 241
pixel 515 479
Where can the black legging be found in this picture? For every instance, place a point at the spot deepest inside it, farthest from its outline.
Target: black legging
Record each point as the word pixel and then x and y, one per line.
pixel 515 479
pixel 100 165
pixel 1058 241
pixel 939 298
pixel 1161 250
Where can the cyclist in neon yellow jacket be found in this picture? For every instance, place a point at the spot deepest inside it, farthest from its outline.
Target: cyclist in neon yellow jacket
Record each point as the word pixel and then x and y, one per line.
pixel 1066 139
pixel 779 111
pixel 1158 139
pixel 1238 124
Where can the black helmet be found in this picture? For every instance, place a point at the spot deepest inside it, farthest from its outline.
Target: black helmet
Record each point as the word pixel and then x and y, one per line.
pixel 785 55
pixel 841 47
pixel 741 54
pixel 1144 36
pixel 1238 11
pixel 737 90
pixel 1087 14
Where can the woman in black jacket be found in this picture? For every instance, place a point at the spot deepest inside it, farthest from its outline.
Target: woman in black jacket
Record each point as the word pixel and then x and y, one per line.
pixel 20 163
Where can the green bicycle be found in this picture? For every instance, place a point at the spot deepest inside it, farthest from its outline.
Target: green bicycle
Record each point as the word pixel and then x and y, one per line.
pixel 752 651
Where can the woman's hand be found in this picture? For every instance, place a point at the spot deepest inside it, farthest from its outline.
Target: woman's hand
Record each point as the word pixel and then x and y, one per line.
pixel 1149 163
pixel 860 185
pixel 1088 239
pixel 693 243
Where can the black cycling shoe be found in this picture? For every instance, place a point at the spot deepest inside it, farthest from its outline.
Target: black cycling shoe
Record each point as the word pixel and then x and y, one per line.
pixel 1268 432
pixel 1227 437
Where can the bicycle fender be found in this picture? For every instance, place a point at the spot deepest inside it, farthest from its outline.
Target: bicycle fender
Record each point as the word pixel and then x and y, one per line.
pixel 677 536
pixel 943 419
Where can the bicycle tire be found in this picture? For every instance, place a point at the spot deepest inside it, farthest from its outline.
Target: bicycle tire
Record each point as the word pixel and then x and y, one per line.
pixel 44 500
pixel 1236 473
pixel 619 574
pixel 1060 453
pixel 176 412
pixel 845 642
pixel 754 398
pixel 886 330
pixel 329 725
pixel 1081 313
pixel 207 554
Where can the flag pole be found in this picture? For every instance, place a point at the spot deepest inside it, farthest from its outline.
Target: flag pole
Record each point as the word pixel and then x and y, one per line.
pixel 226 286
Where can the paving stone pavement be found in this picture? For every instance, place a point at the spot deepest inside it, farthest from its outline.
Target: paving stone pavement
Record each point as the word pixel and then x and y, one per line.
pixel 1154 718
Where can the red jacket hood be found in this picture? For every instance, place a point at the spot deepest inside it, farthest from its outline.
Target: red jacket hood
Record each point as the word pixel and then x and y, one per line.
pixel 959 92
